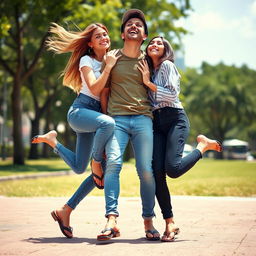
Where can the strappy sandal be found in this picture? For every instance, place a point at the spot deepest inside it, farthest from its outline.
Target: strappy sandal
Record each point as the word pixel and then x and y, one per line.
pixel 114 232
pixel 170 236
pixel 62 227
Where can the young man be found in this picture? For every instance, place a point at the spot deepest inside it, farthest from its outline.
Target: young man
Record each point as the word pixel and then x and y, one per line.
pixel 128 104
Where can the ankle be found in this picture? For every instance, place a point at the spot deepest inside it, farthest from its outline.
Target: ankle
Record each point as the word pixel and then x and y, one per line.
pixel 112 219
pixel 67 208
pixel 201 147
pixel 148 224
pixel 169 221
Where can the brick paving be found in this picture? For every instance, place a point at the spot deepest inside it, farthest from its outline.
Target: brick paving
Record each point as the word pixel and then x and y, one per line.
pixel 219 226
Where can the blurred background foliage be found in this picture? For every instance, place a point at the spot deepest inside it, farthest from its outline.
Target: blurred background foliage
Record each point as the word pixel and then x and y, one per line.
pixel 219 99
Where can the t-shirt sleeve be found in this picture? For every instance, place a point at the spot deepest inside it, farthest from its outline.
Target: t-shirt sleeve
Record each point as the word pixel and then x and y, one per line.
pixel 85 61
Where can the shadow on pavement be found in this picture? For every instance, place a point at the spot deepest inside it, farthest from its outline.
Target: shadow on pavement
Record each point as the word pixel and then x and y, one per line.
pixel 77 240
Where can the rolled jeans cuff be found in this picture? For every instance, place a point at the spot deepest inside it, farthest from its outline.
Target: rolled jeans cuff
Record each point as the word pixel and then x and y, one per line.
pixel 148 218
pixel 114 214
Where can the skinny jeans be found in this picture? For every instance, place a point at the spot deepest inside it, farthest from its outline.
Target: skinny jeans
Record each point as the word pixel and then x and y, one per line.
pixel 93 130
pixel 171 129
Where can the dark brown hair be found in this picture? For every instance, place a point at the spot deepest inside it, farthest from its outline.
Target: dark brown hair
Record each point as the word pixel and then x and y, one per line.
pixel 167 55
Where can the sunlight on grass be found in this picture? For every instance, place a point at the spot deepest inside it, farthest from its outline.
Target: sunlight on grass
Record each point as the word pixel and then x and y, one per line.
pixel 32 166
pixel 207 178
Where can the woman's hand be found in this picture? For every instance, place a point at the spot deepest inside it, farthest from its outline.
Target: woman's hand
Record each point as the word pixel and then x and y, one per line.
pixel 144 69
pixel 111 58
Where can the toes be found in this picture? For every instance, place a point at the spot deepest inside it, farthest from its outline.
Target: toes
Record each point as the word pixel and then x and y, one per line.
pixel 219 146
pixel 34 139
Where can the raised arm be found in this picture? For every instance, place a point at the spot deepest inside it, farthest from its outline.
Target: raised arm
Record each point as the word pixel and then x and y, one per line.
pixel 97 85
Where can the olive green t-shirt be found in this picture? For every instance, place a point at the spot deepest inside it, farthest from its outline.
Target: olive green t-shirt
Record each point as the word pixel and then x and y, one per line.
pixel 128 95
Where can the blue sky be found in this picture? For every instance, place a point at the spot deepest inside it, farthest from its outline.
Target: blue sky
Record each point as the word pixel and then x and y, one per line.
pixel 222 30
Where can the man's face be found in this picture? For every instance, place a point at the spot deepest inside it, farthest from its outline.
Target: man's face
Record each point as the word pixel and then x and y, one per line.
pixel 134 30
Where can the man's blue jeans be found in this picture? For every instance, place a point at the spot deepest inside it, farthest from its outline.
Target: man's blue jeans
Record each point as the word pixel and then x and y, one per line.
pixel 137 128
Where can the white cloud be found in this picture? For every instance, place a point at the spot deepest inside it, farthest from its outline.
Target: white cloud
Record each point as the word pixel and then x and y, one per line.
pixel 217 36
pixel 211 21
pixel 246 27
pixel 253 8
pixel 207 21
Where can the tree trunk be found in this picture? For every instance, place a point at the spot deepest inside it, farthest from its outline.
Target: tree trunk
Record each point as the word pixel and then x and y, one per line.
pixel 18 147
pixel 33 153
pixel 46 147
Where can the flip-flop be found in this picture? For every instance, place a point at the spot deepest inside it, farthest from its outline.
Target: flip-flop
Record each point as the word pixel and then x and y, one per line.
pixel 113 233
pixel 62 227
pixel 96 177
pixel 101 179
pixel 152 232
pixel 170 237
pixel 221 148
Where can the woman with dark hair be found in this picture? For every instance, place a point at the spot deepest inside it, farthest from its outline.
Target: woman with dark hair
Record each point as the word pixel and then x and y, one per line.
pixel 93 129
pixel 170 125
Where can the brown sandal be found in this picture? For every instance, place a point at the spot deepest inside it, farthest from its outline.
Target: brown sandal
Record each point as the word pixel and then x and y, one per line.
pixel 62 227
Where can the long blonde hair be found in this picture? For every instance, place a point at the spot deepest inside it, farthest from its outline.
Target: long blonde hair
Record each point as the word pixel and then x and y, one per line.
pixel 76 42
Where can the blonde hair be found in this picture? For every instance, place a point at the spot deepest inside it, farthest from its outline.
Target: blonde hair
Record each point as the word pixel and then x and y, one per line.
pixel 75 42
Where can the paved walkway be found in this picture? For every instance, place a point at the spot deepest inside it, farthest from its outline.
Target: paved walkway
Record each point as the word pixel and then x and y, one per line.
pixel 209 226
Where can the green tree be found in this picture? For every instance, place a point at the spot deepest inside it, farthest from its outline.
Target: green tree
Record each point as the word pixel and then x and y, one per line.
pixel 161 16
pixel 26 22
pixel 221 98
pixel 24 25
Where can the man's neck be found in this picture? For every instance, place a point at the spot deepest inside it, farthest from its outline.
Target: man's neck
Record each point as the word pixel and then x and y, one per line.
pixel 132 49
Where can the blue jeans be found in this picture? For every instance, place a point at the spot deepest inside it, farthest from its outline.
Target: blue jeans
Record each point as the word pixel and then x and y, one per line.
pixel 93 130
pixel 171 129
pixel 138 129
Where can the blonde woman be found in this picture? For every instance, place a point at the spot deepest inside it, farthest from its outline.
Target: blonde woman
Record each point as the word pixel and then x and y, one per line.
pixel 93 129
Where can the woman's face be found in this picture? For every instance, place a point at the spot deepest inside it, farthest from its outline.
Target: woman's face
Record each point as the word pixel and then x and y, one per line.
pixel 100 40
pixel 155 48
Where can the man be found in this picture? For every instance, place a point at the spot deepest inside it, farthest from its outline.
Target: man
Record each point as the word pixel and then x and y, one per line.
pixel 128 104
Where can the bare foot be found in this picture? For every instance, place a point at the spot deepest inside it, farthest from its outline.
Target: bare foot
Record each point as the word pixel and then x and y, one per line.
pixel 151 232
pixel 205 144
pixel 98 175
pixel 49 138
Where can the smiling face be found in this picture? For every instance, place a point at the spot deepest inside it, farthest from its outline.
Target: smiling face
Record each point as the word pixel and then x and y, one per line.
pixel 100 40
pixel 134 30
pixel 155 48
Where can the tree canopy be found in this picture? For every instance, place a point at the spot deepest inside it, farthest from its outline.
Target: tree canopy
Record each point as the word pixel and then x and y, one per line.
pixel 24 29
pixel 221 100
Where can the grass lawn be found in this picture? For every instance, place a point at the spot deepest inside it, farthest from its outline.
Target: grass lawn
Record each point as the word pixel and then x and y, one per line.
pixel 207 178
pixel 32 166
